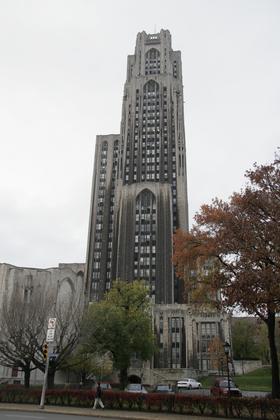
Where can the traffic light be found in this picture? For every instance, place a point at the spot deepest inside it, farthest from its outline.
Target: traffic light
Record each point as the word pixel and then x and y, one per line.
pixel 45 351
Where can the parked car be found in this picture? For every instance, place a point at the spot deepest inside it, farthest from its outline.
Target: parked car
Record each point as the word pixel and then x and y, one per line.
pixel 163 388
pixel 136 388
pixel 223 387
pixel 188 383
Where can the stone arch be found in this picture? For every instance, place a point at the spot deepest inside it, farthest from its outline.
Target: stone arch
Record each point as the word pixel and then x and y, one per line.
pixel 151 86
pixel 152 54
pixel 134 379
pixel 69 281
pixel 152 61
pixel 146 192
pixel 66 290
pixel 80 274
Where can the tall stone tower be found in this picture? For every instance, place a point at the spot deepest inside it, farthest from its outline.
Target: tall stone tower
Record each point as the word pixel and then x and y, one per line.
pixel 139 190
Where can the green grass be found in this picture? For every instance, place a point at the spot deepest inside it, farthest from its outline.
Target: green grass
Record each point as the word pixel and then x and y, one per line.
pixel 258 380
pixel 207 381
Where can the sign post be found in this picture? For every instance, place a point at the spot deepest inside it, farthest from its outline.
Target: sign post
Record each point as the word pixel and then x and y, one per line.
pixel 45 382
pixel 49 339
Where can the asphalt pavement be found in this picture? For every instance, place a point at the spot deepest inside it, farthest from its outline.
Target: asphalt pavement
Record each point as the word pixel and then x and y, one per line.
pixel 33 412
pixel 206 391
pixel 23 415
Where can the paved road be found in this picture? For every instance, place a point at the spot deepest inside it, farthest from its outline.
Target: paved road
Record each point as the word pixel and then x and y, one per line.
pixel 21 415
pixel 205 391
pixel 28 411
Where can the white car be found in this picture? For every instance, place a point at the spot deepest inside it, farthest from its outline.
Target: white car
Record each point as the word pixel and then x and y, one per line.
pixel 188 383
pixel 136 388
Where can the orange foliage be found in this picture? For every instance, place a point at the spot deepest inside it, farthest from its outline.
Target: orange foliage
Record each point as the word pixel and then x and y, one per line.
pixel 217 354
pixel 243 237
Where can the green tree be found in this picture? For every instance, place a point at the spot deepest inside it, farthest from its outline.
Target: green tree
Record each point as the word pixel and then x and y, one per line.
pixel 120 324
pixel 263 343
pixel 244 339
pixel 88 365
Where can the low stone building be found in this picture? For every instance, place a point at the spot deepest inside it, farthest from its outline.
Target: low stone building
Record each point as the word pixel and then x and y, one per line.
pixel 61 284
pixel 183 333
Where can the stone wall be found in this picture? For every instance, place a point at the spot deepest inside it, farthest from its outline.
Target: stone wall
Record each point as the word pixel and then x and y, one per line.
pixel 245 366
pixel 63 284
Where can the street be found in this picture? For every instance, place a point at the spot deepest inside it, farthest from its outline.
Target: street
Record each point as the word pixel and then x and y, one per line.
pixel 21 415
pixel 205 391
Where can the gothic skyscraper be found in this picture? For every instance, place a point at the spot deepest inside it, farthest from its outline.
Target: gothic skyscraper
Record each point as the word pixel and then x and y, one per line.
pixel 139 192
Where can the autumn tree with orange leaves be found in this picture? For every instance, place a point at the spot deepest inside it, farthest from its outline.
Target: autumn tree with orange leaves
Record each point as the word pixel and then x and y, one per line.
pixel 242 239
pixel 217 354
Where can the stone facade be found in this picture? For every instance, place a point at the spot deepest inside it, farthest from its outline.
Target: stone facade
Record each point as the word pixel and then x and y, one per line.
pixel 242 367
pixel 184 332
pixel 139 193
pixel 63 284
pixel 183 335
pixel 139 199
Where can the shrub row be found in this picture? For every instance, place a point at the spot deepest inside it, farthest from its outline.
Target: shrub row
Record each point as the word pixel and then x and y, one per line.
pixel 245 408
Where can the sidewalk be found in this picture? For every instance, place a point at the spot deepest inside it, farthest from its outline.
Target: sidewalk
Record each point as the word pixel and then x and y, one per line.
pixel 88 412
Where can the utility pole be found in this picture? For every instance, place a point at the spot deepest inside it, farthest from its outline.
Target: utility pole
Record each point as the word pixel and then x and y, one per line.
pixel 227 348
pixel 45 382
pixel 46 354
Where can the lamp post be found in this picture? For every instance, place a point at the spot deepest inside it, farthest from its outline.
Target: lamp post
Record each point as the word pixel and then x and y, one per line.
pixel 226 349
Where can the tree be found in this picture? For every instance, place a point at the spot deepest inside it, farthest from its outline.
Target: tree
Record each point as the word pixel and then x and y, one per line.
pixel 88 366
pixel 81 364
pixel 68 314
pixel 217 354
pixel 23 329
pixel 242 237
pixel 21 325
pixel 120 324
pixel 245 343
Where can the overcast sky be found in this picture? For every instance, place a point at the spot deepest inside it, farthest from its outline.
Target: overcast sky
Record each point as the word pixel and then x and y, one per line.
pixel 62 71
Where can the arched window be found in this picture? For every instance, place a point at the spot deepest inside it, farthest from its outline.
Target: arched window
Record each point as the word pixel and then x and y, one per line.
pixel 151 87
pixel 145 239
pixel 152 61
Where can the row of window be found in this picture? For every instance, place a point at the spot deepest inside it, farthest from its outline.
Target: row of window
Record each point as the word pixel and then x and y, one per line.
pixel 100 214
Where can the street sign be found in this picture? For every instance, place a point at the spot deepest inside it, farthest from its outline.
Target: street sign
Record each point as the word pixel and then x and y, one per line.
pixel 49 339
pixel 50 335
pixel 53 356
pixel 51 323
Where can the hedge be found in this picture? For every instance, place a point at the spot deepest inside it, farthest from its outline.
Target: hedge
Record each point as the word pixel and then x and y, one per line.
pixel 243 408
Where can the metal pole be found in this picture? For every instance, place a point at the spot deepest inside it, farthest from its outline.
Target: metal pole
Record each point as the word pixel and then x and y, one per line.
pixel 45 383
pixel 228 376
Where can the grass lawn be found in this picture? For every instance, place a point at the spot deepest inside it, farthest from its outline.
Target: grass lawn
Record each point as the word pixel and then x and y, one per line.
pixel 258 380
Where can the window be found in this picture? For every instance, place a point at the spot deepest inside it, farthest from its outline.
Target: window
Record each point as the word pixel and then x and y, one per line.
pixel 27 294
pixel 145 229
pixel 15 372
